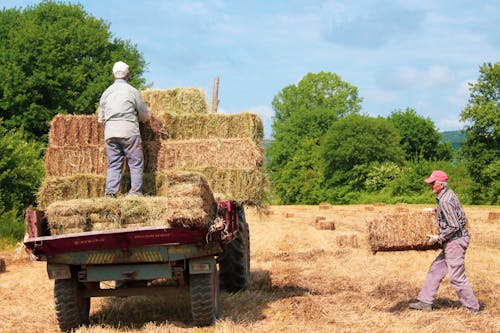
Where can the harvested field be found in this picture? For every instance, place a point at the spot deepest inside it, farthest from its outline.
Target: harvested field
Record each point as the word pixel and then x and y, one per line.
pixel 302 279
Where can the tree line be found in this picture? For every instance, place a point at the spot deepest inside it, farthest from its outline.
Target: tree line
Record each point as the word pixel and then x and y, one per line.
pixel 325 150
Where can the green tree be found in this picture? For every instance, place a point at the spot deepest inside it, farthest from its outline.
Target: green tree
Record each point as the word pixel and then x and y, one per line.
pixel 324 90
pixel 56 58
pixel 419 137
pixel 303 114
pixel 482 145
pixel 21 172
pixel 350 146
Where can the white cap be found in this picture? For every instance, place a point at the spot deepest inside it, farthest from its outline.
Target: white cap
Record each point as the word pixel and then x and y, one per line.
pixel 120 70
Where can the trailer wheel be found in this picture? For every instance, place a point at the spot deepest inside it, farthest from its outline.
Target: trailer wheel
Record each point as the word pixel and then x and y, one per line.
pixel 234 262
pixel 204 290
pixel 72 310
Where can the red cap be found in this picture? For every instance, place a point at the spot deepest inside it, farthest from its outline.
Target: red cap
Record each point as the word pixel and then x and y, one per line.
pixel 437 175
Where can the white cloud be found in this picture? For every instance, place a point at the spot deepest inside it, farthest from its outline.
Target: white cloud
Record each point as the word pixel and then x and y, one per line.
pixel 381 96
pixel 437 75
pixel 461 95
pixel 451 123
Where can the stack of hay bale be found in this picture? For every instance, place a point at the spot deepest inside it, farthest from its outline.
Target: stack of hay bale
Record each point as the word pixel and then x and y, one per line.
pixel 402 231
pixel 190 155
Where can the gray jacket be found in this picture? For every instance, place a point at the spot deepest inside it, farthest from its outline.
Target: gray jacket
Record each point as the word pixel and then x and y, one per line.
pixel 121 110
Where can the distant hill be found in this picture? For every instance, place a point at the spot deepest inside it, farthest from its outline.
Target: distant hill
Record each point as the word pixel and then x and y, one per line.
pixel 455 137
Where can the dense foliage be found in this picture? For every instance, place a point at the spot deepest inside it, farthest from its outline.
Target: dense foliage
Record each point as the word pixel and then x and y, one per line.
pixel 482 146
pixel 55 58
pixel 351 145
pixel 419 137
pixel 21 172
pixel 323 150
pixel 304 113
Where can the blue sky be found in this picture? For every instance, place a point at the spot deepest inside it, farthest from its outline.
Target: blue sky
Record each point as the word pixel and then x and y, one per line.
pixel 400 53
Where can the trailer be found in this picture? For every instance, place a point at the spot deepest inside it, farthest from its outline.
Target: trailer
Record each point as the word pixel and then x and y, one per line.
pixel 203 260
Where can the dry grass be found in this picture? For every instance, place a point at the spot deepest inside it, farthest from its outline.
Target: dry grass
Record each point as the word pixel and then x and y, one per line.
pixel 303 279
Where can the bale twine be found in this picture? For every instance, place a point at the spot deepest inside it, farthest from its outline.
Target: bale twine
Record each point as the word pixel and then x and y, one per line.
pixel 402 232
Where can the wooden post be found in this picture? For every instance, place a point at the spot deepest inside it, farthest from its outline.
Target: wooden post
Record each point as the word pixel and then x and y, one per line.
pixel 215 97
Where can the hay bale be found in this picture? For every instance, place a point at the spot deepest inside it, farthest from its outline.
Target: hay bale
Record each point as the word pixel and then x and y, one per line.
pixel 3 266
pixel 159 155
pixel 324 205
pixel 84 130
pixel 175 101
pixel 347 240
pixel 98 214
pixel 237 153
pixel 325 225
pixel 81 186
pixel 402 232
pixel 494 216
pixel 69 130
pixel 245 186
pixel 319 218
pixel 71 160
pixel 88 186
pixel 214 125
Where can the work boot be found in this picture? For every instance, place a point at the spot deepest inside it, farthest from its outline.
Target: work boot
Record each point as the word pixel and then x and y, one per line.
pixel 421 306
pixel 110 195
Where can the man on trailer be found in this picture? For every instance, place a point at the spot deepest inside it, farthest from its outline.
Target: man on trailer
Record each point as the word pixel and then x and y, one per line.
pixel 122 108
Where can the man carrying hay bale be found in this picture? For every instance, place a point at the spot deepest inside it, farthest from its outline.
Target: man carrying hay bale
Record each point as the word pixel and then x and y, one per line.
pixel 455 239
pixel 121 110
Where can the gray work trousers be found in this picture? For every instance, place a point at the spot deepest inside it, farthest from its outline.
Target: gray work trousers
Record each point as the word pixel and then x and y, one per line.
pixel 452 261
pixel 116 150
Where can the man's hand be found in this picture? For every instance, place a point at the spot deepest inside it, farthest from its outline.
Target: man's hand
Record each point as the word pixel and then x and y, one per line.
pixel 433 239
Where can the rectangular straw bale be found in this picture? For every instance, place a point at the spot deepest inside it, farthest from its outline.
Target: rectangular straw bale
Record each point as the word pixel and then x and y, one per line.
pixel 84 130
pixel 189 154
pixel 214 125
pixel 176 100
pixel 75 130
pixel 87 186
pixel 81 186
pixel 71 160
pixel 81 215
pixel 402 232
pixel 246 186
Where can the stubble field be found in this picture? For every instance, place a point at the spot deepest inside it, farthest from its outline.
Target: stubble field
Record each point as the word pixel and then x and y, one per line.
pixel 303 279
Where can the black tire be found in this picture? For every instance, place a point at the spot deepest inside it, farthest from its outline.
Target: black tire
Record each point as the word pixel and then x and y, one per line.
pixel 204 290
pixel 234 262
pixel 72 310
